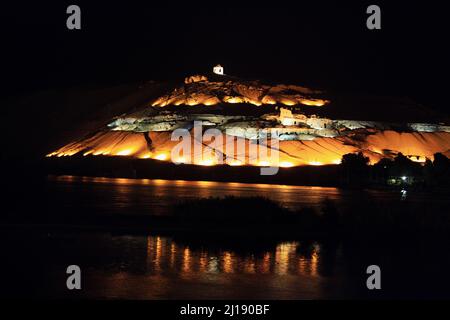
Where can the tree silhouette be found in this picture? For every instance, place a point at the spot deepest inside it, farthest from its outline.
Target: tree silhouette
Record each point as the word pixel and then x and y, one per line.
pixel 355 169
pixel 402 166
pixel 441 170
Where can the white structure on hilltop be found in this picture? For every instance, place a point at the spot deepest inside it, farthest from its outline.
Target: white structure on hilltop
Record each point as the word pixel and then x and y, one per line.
pixel 218 70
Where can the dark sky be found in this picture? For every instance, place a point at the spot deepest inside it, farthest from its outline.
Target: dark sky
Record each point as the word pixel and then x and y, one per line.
pixel 325 44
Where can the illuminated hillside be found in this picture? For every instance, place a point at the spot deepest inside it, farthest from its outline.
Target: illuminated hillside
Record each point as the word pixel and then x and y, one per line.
pixel 213 90
pixel 241 111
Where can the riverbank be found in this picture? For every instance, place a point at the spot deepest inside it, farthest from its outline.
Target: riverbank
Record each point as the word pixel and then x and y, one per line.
pixel 125 167
pixel 309 175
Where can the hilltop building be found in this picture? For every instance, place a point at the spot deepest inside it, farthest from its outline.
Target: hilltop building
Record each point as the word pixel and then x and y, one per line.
pixel 218 70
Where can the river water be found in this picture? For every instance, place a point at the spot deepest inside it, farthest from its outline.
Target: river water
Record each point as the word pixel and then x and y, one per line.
pixel 152 266
pixel 156 197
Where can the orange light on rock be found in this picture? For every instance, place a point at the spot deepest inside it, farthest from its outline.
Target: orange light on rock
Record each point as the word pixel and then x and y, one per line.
pixel 206 162
pixel 316 103
pixel 235 163
pixel 100 152
pixel 287 102
pixel 180 160
pixel 161 157
pixel 125 152
pixel 286 164
pixel 145 156
pixel 229 99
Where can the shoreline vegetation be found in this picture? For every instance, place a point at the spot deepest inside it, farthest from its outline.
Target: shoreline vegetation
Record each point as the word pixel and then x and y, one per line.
pixel 261 218
pixel 353 172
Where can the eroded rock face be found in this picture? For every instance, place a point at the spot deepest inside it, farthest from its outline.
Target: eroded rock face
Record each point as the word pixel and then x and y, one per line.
pixel 245 111
pixel 199 90
pixel 295 152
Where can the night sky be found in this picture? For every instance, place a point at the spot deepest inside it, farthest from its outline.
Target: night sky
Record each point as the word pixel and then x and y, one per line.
pixel 326 45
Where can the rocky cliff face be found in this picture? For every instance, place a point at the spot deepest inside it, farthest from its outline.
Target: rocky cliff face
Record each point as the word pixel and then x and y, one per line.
pixel 241 110
pixel 213 90
pixel 318 151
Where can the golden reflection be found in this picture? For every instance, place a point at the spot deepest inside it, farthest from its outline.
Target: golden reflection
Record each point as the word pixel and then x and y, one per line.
pixel 186 260
pixel 158 254
pixel 123 181
pixel 173 252
pixel 160 182
pixel 150 251
pixel 181 182
pixel 100 179
pixel 203 262
pixel 249 265
pixel 265 267
pixel 314 263
pixel 227 262
pixel 162 253
pixel 309 265
pixel 302 265
pixel 282 256
pixel 205 183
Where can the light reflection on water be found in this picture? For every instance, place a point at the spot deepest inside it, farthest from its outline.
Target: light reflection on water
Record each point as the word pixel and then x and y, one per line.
pixel 158 196
pixel 164 254
pixel 156 267
pixel 159 267
pixel 172 268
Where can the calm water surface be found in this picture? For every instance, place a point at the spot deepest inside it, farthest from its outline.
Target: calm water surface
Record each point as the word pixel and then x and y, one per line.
pixel 120 266
pixel 144 196
pixel 151 266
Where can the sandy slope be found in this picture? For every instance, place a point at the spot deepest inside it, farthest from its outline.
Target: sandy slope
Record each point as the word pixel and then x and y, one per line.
pixel 318 151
